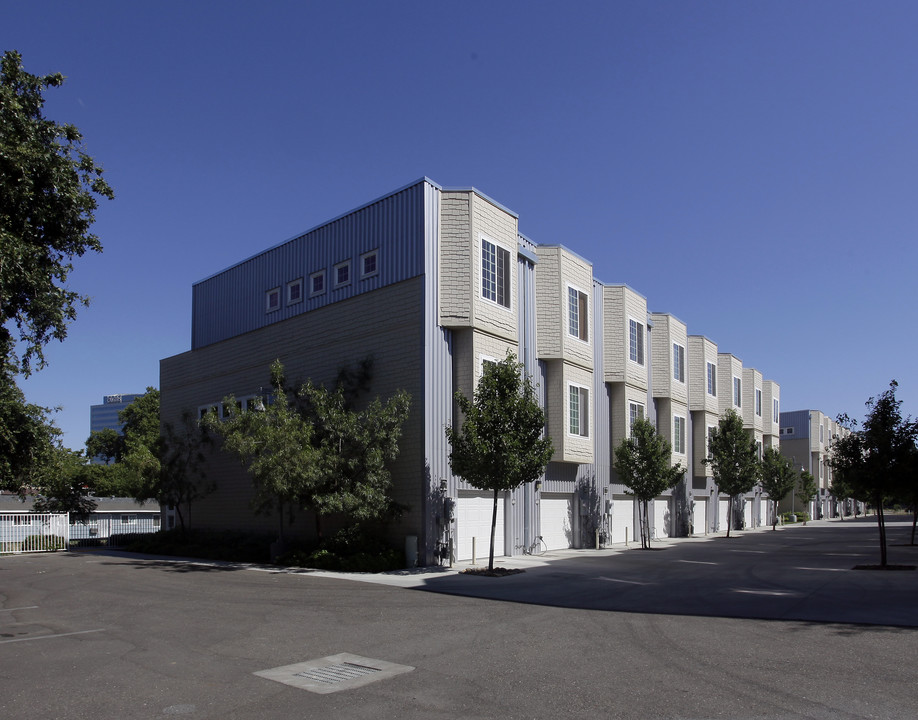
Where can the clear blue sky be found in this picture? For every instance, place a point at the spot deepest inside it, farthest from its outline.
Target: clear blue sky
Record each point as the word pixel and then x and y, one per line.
pixel 767 151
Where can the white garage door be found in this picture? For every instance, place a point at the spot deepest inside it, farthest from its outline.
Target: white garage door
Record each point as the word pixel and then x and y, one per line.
pixel 662 518
pixel 622 520
pixel 700 516
pixel 723 508
pixel 473 520
pixel 556 514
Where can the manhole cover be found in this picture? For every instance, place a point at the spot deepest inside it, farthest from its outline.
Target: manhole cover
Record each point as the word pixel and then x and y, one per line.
pixel 334 673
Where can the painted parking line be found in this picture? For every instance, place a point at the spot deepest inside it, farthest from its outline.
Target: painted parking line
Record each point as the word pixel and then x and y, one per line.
pixel 764 592
pixel 618 580
pixel 48 637
pixel 25 607
pixel 697 562
pixel 823 569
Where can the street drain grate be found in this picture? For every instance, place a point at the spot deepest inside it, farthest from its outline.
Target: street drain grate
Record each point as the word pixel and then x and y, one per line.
pixel 337 673
pixel 334 673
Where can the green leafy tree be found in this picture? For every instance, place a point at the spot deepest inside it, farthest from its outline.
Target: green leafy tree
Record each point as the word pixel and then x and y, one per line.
pixel 644 464
pixel 48 196
pixel 875 461
pixel 313 450
pixel 777 479
pixel 806 490
pixel 27 437
pixel 733 459
pixel 354 450
pixel 500 445
pixel 107 444
pixel 64 486
pixel 274 443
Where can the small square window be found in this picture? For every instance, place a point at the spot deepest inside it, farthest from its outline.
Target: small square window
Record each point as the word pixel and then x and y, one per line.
pixel 272 300
pixel 317 283
pixel 369 264
pixel 343 274
pixel 295 291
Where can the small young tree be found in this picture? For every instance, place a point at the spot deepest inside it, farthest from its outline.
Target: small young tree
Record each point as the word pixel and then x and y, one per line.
pixel 500 445
pixel 644 464
pixel 734 458
pixel 806 491
pixel 777 479
pixel 875 461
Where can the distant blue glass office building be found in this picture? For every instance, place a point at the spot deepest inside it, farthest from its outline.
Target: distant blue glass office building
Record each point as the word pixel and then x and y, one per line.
pixel 106 415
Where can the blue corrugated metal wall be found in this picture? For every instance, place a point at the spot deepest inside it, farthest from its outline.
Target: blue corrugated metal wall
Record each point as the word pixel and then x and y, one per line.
pixel 234 301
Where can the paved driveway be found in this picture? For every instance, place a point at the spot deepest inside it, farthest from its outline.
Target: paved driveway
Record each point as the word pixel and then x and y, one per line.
pixel 114 636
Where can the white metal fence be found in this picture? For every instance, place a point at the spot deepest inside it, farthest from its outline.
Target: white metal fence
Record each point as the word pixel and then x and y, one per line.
pixel 33 532
pixel 46 532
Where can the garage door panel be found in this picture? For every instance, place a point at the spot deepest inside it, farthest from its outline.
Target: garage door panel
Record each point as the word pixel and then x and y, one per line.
pixel 700 516
pixel 662 518
pixel 473 520
pixel 556 521
pixel 622 520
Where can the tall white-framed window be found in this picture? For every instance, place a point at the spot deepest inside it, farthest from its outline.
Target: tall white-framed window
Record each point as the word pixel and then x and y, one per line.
pixel 678 435
pixel 821 436
pixel 635 413
pixel 710 442
pixel 712 380
pixel 737 391
pixel 578 314
pixel 636 341
pixel 342 274
pixel 369 264
pixel 495 272
pixel 776 417
pixel 758 402
pixel 272 299
pixel 678 362
pixel 578 417
pixel 317 285
pixel 128 519
pixel 758 449
pixel 294 291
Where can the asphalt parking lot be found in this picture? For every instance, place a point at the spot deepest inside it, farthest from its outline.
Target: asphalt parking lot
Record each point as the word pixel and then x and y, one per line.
pixel 765 626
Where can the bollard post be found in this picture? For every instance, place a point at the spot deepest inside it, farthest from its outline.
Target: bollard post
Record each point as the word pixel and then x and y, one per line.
pixel 626 536
pixel 473 551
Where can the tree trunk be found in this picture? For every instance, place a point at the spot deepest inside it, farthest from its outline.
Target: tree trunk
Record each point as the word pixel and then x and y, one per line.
pixel 729 514
pixel 774 515
pixel 318 526
pixel 914 521
pixel 493 529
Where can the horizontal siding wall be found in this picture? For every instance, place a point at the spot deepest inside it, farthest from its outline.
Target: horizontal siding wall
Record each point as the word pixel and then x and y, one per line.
pixel 234 301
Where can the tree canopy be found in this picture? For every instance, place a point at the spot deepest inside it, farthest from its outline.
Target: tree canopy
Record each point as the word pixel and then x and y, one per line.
pixel 777 479
pixel 48 196
pixel 644 464
pixel 733 459
pixel 500 444
pixel 806 491
pixel 876 462
pixel 313 450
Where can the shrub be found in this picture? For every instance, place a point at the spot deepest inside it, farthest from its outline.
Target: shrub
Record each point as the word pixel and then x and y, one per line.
pixel 44 542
